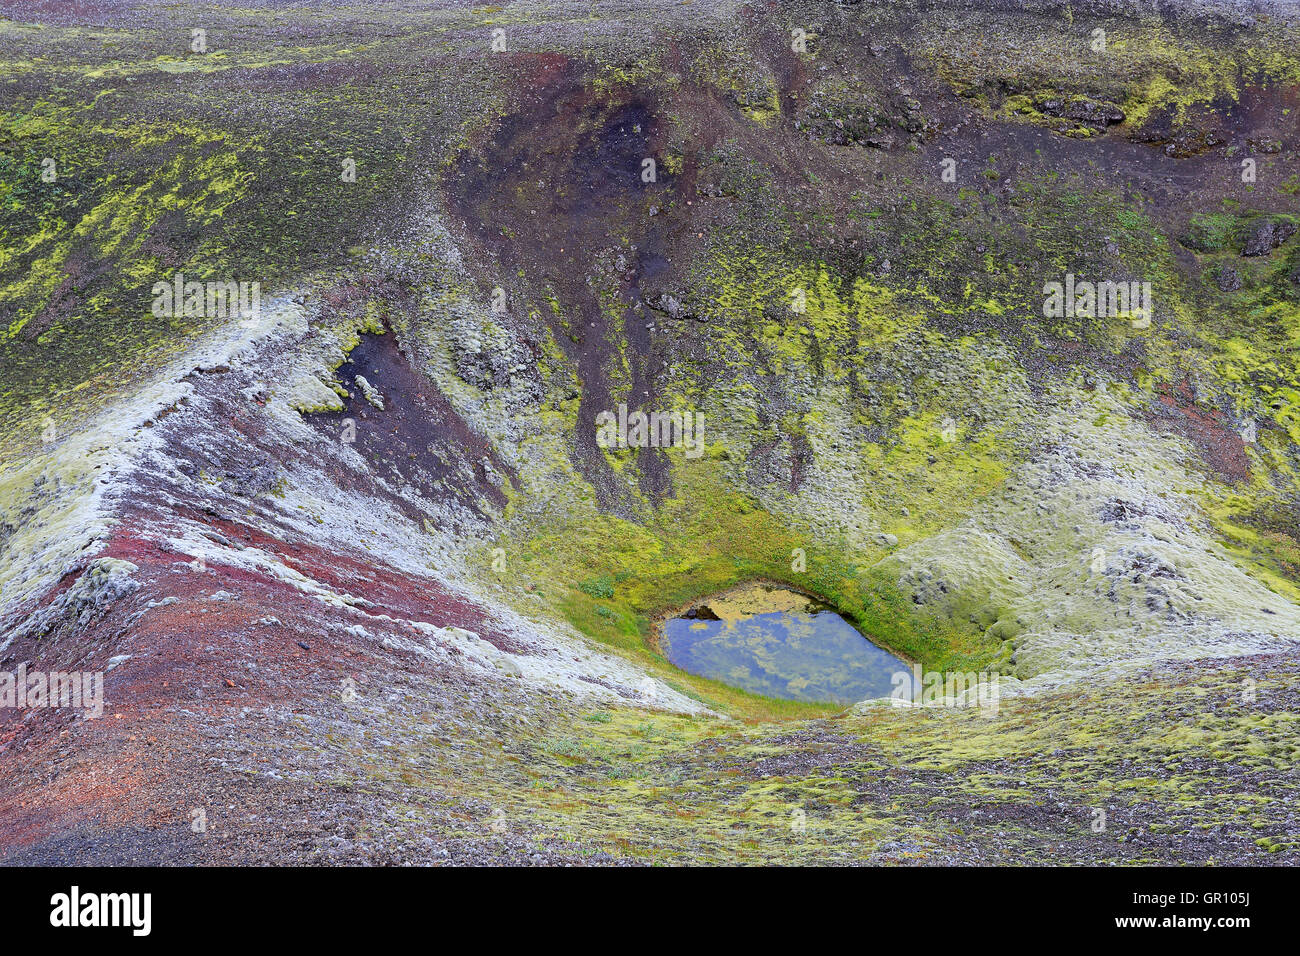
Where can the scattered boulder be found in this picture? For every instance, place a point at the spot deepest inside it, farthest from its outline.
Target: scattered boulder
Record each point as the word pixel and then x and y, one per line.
pixel 1070 115
pixel 1265 235
pixel 1193 142
pixel 370 392
pixel 1265 144
pixel 1094 114
pixel 1227 278
pixel 104 582
pixel 250 480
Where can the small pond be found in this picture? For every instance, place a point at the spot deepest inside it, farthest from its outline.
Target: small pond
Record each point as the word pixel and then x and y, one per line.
pixel 773 641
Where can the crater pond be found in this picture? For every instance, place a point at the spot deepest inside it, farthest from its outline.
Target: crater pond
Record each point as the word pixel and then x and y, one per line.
pixel 773 641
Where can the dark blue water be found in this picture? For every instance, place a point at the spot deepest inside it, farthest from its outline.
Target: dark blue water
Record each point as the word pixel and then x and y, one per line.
pixel 808 653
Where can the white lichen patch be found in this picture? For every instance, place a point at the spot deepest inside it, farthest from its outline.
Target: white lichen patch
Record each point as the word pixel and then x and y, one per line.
pixel 58 506
pixel 371 393
pixel 307 393
pixel 1094 552
pixel 105 581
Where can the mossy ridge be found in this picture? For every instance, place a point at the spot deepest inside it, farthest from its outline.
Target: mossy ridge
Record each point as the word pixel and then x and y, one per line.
pixel 50 228
pixel 1151 66
pixel 225 202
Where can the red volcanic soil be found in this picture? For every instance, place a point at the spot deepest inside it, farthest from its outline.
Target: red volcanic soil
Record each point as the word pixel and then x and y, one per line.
pixel 1209 430
pixel 220 649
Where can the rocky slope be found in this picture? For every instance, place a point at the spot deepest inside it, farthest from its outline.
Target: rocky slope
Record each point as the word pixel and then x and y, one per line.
pixel 363 584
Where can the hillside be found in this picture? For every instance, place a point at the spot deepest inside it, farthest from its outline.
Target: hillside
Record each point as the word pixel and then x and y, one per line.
pixel 363 582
